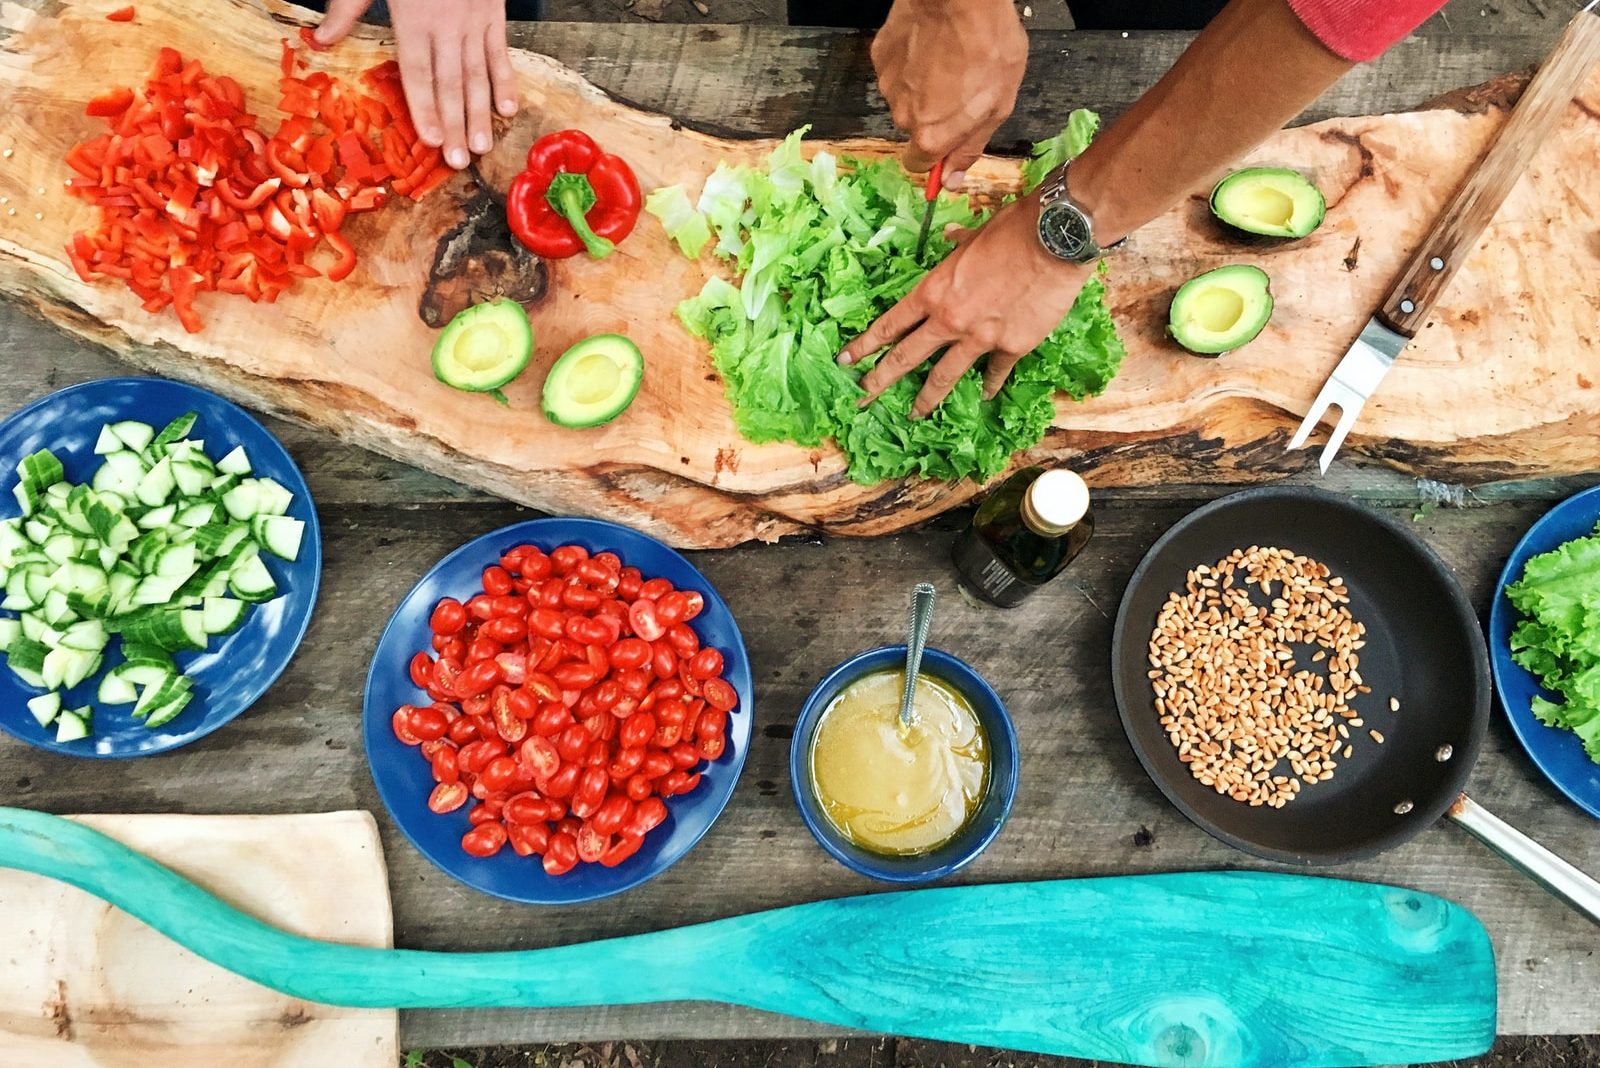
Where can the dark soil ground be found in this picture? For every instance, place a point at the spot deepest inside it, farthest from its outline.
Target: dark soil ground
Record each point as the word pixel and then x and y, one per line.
pixel 1522 1052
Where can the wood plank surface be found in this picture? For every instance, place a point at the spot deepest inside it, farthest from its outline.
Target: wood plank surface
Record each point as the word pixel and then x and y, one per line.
pixel 1501 387
pixel 1084 806
pixel 91 987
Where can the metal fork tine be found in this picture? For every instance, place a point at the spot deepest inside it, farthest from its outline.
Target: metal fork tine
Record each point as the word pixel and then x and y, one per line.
pixel 1348 411
pixel 1319 408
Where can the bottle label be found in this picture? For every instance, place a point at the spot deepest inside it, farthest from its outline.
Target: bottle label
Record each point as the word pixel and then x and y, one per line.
pixel 986 575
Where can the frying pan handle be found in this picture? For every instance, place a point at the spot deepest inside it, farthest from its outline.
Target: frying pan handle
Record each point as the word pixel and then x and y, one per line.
pixel 1532 859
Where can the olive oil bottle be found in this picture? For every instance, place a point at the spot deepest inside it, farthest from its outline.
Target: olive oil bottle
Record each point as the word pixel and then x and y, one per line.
pixel 1023 535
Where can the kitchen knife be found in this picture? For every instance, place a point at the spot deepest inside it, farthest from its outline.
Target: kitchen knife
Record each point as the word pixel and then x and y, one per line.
pixel 1454 236
pixel 930 193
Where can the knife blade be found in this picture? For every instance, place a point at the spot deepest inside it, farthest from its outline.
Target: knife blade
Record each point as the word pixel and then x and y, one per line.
pixel 1431 266
pixel 930 193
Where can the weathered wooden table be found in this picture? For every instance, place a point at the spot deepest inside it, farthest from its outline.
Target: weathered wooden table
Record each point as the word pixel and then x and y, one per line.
pixel 1084 807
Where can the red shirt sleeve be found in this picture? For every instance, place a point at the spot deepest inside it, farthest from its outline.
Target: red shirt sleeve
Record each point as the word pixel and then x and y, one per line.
pixel 1359 30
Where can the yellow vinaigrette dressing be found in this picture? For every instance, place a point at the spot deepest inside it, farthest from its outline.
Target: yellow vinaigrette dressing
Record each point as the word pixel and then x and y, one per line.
pixel 892 789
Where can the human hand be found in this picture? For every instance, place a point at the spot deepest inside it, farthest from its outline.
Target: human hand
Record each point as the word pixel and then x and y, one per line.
pixel 453 61
pixel 999 293
pixel 950 71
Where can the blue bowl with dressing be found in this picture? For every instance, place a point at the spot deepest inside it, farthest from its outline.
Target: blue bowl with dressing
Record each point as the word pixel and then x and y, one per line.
pixel 979 829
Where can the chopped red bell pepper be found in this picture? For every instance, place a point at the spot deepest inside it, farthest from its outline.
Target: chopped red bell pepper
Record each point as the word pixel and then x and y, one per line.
pixel 121 14
pixel 109 103
pixel 572 196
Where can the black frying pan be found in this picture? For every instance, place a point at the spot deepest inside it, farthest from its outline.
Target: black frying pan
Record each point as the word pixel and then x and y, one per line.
pixel 1424 647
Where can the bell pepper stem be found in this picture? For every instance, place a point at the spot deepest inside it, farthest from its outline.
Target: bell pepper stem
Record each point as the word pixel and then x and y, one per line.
pixel 572 196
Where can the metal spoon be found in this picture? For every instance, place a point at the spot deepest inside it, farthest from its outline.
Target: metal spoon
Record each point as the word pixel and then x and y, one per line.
pixel 916 640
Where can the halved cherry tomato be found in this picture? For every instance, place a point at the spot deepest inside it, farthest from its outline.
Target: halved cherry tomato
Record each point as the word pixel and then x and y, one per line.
pixel 563 782
pixel 707 663
pixel 671 608
pixel 565 559
pixel 498 774
pixel 528 839
pixel 684 641
pixel 575 676
pixel 625 846
pixel 694 604
pixel 561 855
pixel 645 622
pixel 445 674
pixel 400 723
pixel 507 630
pixel 654 589
pixel 547 623
pixel 445 769
pixel 496 581
pixel 428 724
pixel 640 786
pixel 421 670
pixel 552 719
pixel 626 761
pixel 478 678
pixel 592 845
pixel 484 840
pixel 615 811
pixel 510 726
pixel 720 694
pixel 449 616
pixel 540 755
pixel 650 814
pixel 447 797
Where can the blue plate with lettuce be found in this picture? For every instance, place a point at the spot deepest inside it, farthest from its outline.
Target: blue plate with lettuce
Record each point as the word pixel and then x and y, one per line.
pixel 1544 641
pixel 821 247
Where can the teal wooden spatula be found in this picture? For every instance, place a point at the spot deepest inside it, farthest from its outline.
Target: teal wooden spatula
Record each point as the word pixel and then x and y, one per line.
pixel 1235 969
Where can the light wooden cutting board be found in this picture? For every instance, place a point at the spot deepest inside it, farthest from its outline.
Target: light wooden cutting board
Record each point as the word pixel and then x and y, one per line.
pixel 84 985
pixel 1505 382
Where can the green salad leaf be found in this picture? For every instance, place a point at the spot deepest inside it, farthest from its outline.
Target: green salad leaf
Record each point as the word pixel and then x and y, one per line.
pixel 819 249
pixel 1559 638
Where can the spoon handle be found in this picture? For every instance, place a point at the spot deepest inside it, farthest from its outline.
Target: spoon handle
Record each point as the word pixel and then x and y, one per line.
pixel 917 639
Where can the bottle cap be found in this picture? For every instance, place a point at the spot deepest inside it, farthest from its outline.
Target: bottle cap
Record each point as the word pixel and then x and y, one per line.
pixel 1056 502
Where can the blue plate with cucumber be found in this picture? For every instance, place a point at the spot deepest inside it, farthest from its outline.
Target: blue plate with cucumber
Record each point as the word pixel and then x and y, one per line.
pixel 160 558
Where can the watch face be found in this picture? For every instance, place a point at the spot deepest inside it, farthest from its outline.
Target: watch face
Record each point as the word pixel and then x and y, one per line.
pixel 1066 233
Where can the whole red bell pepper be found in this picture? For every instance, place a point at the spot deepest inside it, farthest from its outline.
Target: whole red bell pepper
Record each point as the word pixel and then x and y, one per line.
pixel 572 196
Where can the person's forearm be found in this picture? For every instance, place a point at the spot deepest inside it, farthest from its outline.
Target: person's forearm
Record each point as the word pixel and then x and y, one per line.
pixel 1251 71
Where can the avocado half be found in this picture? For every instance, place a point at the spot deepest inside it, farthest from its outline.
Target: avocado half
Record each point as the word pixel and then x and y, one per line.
pixel 1221 310
pixel 483 347
pixel 593 381
pixel 1269 201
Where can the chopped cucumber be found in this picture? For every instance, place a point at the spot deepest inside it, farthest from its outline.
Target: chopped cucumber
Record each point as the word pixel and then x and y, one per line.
pixel 236 462
pixel 278 534
pixel 135 435
pixel 157 484
pixel 116 690
pixel 10 631
pixel 243 501
pixel 160 715
pixel 222 615
pixel 45 708
pixel 176 429
pixel 251 581
pixel 73 724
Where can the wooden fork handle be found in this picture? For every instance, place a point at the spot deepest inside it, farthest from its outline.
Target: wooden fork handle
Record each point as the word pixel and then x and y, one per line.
pixel 1543 104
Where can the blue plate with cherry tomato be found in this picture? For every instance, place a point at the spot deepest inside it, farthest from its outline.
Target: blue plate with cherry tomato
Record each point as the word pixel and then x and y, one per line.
pixel 558 711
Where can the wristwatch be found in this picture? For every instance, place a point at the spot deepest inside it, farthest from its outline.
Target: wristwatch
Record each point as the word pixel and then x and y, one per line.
pixel 1065 229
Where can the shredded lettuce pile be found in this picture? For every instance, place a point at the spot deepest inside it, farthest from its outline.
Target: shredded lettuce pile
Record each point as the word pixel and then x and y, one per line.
pixel 1559 641
pixel 821 248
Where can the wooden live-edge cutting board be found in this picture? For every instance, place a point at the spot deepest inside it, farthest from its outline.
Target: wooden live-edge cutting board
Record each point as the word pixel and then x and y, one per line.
pixel 1505 382
pixel 84 985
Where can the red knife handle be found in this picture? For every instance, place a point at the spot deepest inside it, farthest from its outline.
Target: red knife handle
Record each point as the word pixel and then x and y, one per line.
pixel 930 191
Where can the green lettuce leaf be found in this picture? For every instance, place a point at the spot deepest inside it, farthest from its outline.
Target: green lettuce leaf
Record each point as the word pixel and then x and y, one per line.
pixel 821 248
pixel 1559 638
pixel 1068 144
pixel 683 224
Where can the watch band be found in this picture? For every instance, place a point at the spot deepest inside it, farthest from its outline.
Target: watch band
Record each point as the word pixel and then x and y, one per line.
pixel 1065 229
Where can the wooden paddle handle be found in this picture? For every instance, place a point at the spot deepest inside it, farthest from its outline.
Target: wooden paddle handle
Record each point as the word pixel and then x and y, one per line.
pixel 1455 234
